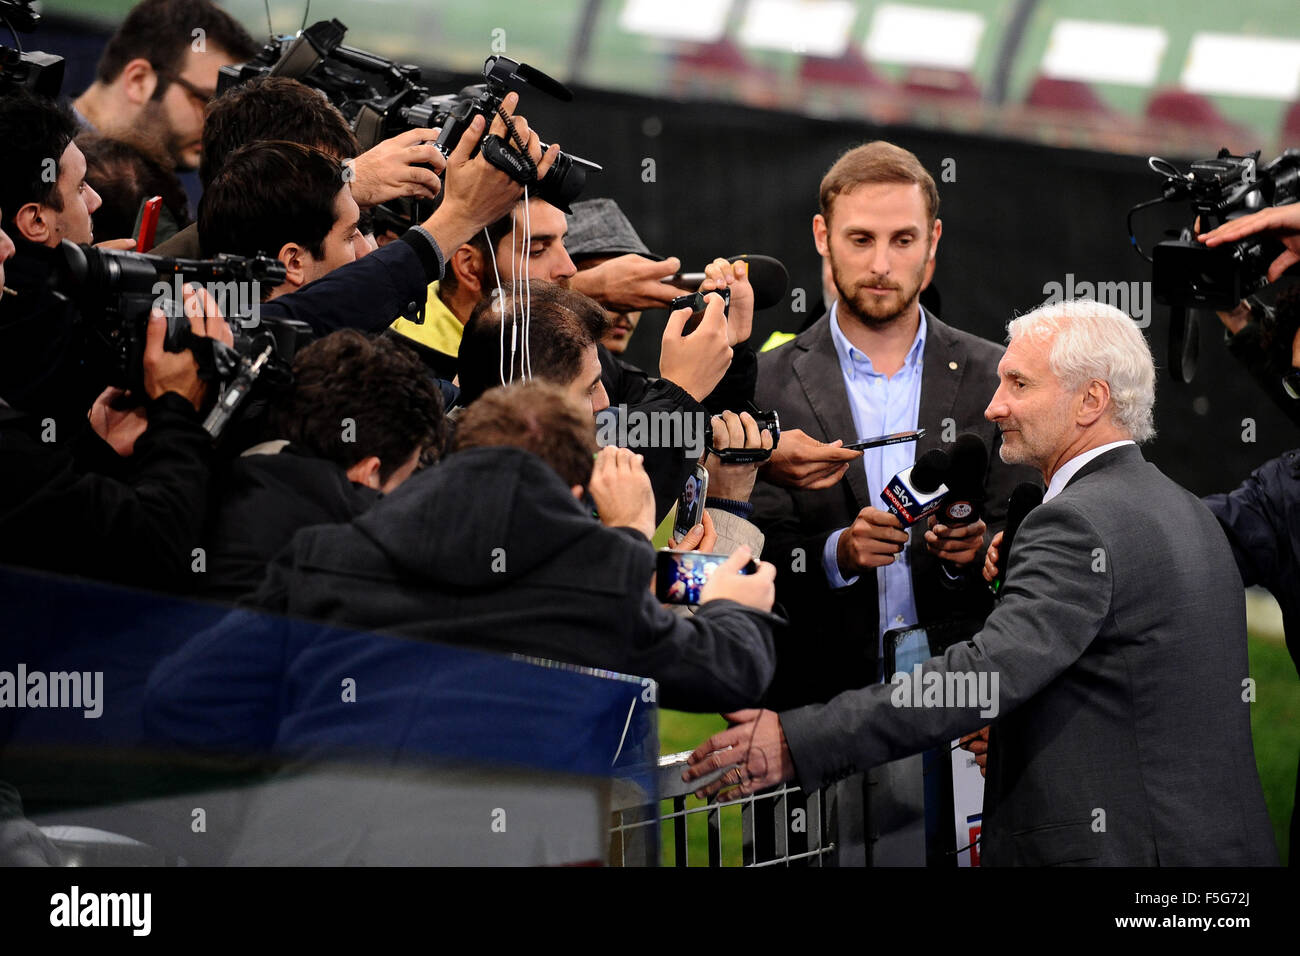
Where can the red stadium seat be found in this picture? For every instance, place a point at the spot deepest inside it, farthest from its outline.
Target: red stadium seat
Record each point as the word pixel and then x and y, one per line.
pixel 1051 93
pixel 940 84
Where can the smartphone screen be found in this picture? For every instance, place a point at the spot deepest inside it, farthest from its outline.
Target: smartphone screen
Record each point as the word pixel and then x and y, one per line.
pixel 690 503
pixel 680 576
pixel 894 439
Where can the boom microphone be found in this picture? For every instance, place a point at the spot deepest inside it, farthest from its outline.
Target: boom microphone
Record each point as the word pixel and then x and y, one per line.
pixel 916 492
pixel 767 275
pixel 1024 499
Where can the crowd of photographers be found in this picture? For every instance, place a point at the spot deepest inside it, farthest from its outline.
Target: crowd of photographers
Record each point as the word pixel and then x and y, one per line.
pixel 410 444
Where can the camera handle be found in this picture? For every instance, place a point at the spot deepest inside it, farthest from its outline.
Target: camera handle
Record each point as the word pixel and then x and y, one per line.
pixel 1184 343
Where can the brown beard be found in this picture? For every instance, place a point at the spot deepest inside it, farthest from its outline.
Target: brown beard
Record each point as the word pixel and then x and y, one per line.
pixel 856 309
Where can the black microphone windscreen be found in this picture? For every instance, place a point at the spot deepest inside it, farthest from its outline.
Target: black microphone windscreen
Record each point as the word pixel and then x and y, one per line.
pixel 970 460
pixel 929 473
pixel 1026 497
pixel 769 278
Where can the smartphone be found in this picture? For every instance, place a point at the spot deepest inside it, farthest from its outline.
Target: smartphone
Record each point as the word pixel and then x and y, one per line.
pixel 680 576
pixel 690 503
pixel 147 224
pixel 695 301
pixel 894 439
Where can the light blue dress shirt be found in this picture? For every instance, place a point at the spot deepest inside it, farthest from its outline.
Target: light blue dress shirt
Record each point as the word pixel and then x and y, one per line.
pixel 881 406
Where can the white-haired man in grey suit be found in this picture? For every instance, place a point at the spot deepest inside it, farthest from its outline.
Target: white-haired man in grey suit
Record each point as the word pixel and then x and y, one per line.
pixel 1114 665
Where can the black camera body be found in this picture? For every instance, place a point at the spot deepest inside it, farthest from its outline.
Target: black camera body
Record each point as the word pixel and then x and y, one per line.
pixel 37 72
pixel 115 292
pixel 380 99
pixel 1187 273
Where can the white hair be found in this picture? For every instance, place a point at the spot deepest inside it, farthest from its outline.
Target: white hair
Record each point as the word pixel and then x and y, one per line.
pixel 1091 340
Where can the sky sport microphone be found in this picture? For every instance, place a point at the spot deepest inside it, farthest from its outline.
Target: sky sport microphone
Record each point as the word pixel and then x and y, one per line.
pixel 1024 499
pixel 965 481
pixel 917 492
pixel 767 275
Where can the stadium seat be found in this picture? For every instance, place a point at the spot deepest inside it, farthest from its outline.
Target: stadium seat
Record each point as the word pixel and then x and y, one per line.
pixel 940 84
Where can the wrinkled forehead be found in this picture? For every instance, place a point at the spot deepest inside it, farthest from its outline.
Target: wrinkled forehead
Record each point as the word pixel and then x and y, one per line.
pixel 1028 354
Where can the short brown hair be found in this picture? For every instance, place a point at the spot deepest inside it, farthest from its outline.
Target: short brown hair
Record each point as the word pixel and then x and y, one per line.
pixel 878 162
pixel 562 324
pixel 537 417
pixel 272 107
pixel 376 382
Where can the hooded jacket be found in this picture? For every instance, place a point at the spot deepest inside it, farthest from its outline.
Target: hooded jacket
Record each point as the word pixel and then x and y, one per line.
pixel 490 550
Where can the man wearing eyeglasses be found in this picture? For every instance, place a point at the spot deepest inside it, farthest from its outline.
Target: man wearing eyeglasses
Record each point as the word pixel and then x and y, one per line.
pixel 158 73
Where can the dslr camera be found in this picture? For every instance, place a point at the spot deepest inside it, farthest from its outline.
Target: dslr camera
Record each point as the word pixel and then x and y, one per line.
pixel 380 99
pixel 114 293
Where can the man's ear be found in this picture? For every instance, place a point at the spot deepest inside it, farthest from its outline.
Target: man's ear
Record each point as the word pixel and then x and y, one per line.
pixel 935 233
pixel 577 491
pixel 820 234
pixel 467 264
pixel 30 223
pixel 294 259
pixel 1095 404
pixel 138 81
pixel 366 472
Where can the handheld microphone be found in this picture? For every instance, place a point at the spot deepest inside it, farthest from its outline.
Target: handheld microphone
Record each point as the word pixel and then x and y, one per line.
pixel 767 275
pixel 965 480
pixel 917 492
pixel 1024 499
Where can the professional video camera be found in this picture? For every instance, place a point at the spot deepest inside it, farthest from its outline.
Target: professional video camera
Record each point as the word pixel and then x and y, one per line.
pixel 41 73
pixel 1187 274
pixel 380 99
pixel 114 293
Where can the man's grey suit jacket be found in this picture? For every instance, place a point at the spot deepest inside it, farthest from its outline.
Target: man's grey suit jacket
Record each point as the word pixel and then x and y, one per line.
pixel 831 643
pixel 1119 643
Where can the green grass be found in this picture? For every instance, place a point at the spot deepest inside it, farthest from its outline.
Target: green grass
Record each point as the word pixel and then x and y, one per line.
pixel 1275 724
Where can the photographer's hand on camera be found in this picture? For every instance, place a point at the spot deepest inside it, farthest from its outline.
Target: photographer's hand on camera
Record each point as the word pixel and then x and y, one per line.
pixel 735 482
pixel 1282 222
pixel 406 165
pixel 178 372
pixel 698 361
pixel 477 193
pixel 117 423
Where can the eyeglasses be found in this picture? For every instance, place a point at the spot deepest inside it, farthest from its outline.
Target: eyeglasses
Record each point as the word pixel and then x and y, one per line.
pixel 204 97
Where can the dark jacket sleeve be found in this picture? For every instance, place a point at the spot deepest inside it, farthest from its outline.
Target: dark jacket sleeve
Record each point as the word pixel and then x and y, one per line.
pixel 718 660
pixel 1050 613
pixel 631 390
pixel 367 294
pixel 1254 517
pixel 1247 349
pixel 138 529
pixel 736 390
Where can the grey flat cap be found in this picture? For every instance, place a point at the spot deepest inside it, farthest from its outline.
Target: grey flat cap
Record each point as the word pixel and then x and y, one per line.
pixel 597 227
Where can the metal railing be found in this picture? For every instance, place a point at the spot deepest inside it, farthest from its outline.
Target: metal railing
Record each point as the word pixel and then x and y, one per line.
pixel 779 827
